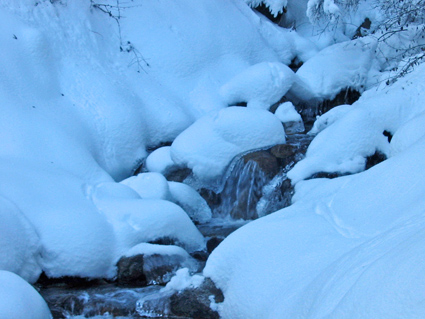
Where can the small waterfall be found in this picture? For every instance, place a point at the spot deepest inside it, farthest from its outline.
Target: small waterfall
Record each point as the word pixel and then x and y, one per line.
pixel 242 190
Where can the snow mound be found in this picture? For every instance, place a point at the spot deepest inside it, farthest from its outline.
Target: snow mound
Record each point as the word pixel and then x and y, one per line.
pixel 149 185
pixel 190 200
pixel 408 134
pixel 160 161
pixel 19 243
pixel 259 86
pixel 332 250
pixel 138 220
pixel 335 68
pixel 183 280
pixel 208 146
pixel 18 299
pixel 290 118
pixel 355 132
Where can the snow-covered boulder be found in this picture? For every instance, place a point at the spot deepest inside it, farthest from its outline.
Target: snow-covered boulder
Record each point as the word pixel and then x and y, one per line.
pixel 208 146
pixel 149 264
pixel 335 68
pixel 160 161
pixel 260 86
pixel 290 118
pixel 136 220
pixel 149 185
pixel 19 243
pixel 190 200
pixel 18 299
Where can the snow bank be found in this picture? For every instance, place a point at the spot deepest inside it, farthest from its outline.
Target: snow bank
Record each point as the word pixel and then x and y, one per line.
pixel 19 243
pixel 78 113
pixel 18 299
pixel 357 131
pixel 260 85
pixel 208 146
pixel 323 256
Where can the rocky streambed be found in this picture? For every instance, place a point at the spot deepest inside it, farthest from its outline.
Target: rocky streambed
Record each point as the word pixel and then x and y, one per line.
pixel 254 185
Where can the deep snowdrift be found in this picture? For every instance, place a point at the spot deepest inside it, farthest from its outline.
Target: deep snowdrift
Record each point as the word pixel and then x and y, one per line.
pixel 349 247
pixel 82 98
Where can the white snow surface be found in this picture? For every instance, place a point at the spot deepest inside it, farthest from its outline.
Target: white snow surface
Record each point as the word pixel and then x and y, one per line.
pixel 208 146
pixel 259 86
pixel 337 67
pixel 18 299
pixel 183 280
pixel 78 113
pixel 358 241
pixel 286 112
pixel 357 130
pixel 160 161
pixel 349 247
pixel 190 200
pixel 149 185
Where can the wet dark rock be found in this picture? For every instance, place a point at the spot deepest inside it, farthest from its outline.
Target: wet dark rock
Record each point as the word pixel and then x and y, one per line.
pixel 177 174
pixel 295 64
pixel 213 242
pixel 363 29
pixel 156 269
pixel 329 175
pixel 195 302
pixel 388 135
pixel 285 153
pixel 100 300
pixel 265 11
pixel 374 159
pixel 130 271
pixel 163 241
pixel 67 282
pixel 266 162
pixel 212 198
pixel 200 255
pixel 346 96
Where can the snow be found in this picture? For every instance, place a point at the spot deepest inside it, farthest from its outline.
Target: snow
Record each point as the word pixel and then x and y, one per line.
pixel 183 280
pixel 78 114
pixel 259 86
pixel 136 220
pixel 82 100
pixel 18 299
pixel 286 113
pixel 149 185
pixel 19 243
pixel 337 67
pixel 160 161
pixel 208 146
pixel 190 200
pixel 357 131
pixel 328 251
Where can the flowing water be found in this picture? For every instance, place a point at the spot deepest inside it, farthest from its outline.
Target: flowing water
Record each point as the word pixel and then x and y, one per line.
pixel 247 192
